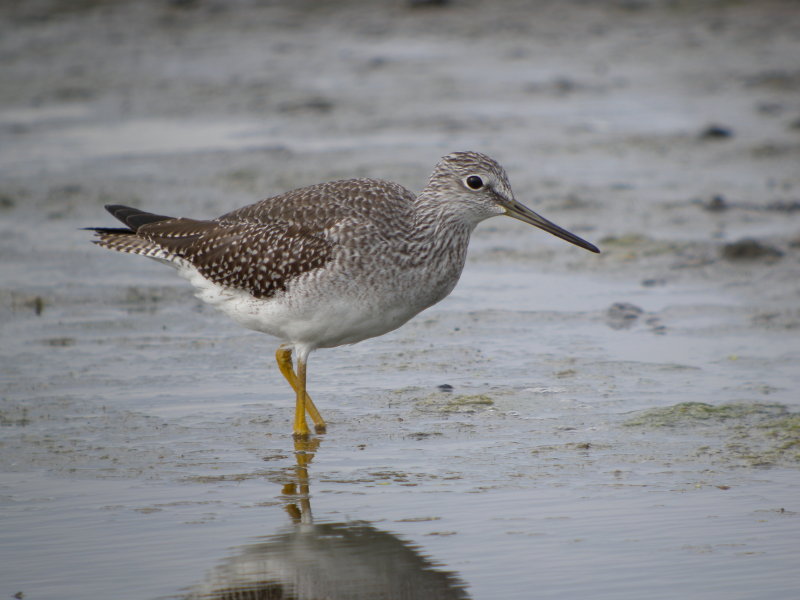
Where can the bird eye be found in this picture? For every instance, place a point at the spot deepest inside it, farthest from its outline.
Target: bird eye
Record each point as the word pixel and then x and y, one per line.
pixel 474 182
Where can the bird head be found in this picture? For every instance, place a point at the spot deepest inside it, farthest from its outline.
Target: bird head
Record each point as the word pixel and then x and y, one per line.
pixel 480 186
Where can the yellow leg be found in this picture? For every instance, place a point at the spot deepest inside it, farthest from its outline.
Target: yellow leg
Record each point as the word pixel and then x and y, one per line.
pixel 300 426
pixel 284 358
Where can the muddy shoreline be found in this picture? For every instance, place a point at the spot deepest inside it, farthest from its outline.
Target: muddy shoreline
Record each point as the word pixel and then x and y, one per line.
pixel 613 420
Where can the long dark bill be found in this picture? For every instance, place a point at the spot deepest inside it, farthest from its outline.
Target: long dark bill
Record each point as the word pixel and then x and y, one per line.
pixel 526 215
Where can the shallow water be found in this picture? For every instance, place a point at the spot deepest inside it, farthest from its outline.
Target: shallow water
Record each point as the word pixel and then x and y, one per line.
pixel 149 474
pixel 563 425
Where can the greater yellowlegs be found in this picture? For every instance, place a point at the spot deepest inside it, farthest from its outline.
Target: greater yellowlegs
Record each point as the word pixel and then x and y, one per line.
pixel 333 263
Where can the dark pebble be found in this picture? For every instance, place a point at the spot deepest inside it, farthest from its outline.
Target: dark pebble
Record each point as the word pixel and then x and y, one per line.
pixel 622 315
pixel 716 204
pixel 772 109
pixel 310 105
pixel 716 132
pixel 445 387
pixel 418 3
pixel 653 282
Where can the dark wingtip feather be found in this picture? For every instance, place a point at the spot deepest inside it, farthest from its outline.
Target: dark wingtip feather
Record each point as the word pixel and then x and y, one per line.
pixel 133 217
pixel 116 230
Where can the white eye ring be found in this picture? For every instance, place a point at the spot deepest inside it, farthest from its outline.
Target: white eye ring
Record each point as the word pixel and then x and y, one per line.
pixel 474 182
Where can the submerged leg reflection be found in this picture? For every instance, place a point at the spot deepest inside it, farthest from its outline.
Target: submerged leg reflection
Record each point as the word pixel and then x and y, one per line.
pixel 304 450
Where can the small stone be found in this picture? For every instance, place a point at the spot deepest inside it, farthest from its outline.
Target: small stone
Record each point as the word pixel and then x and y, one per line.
pixel 419 3
pixel 716 132
pixel 622 315
pixel 314 104
pixel 716 204
pixel 655 282
pixel 771 109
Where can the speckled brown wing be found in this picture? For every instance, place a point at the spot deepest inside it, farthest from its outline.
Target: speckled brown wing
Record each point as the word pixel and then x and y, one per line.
pixel 258 258
pixel 319 207
pixel 261 247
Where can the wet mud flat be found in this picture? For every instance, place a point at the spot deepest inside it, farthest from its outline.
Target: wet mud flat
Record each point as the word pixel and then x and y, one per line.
pixel 563 425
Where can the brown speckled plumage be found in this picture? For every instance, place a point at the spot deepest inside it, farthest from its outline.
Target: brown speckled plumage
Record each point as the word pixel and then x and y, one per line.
pixel 261 247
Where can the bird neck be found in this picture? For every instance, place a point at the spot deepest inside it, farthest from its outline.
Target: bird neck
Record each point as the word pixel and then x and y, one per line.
pixel 437 216
pixel 441 231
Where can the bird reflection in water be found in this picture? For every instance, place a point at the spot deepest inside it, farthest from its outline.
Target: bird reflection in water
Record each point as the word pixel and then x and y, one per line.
pixel 334 561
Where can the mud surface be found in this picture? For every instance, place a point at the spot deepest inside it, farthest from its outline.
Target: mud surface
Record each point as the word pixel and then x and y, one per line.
pixel 564 425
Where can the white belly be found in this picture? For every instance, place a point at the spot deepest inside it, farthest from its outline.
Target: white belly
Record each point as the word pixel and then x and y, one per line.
pixel 321 313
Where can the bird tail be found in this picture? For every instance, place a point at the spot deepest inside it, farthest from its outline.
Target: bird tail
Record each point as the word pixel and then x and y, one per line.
pixel 124 239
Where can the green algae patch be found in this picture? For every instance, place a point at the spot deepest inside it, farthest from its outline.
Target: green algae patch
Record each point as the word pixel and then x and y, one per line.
pixel 634 245
pixel 225 478
pixel 460 403
pixel 696 413
pixel 469 402
pixel 569 447
pixel 626 240
pixel 747 433
pixel 786 433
